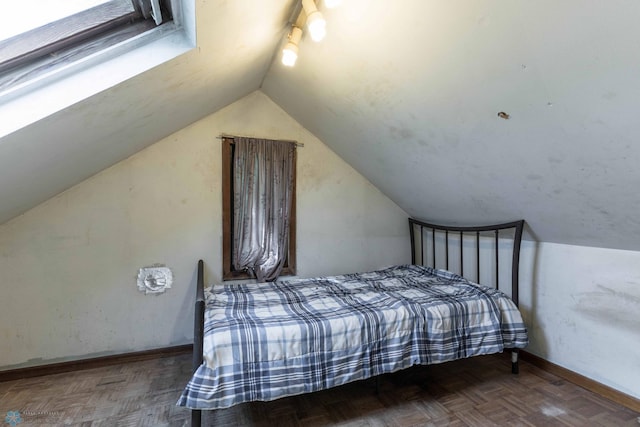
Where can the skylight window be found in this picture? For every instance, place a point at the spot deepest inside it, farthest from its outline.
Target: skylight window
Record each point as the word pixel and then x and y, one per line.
pixel 43 34
pixel 27 16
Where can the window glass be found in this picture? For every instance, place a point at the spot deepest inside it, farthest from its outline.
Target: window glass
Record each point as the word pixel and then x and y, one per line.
pixel 32 14
pixel 44 35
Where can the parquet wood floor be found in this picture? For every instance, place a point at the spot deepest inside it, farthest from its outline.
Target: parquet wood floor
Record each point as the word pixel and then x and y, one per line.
pixel 475 392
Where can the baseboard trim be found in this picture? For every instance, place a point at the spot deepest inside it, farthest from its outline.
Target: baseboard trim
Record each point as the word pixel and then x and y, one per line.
pixel 95 362
pixel 582 381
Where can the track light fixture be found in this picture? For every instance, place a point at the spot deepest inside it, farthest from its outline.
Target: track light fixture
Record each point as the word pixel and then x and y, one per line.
pixel 315 21
pixel 290 51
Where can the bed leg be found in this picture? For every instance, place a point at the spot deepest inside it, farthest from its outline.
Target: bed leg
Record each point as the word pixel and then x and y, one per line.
pixel 378 384
pixel 515 368
pixel 198 335
pixel 196 418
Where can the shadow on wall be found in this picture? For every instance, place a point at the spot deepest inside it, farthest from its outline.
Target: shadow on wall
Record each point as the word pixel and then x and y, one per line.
pixel 529 277
pixel 616 308
pixel 185 316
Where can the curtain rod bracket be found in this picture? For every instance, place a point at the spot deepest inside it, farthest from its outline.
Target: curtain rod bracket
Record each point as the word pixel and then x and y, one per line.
pixel 224 135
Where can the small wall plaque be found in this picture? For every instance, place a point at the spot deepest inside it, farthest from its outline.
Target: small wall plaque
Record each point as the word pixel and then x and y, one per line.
pixel 154 280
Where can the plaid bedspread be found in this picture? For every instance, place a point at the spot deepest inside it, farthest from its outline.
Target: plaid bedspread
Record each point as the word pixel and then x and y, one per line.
pixel 269 340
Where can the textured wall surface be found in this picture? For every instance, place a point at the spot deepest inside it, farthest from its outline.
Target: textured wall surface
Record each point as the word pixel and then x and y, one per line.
pixel 582 306
pixel 69 265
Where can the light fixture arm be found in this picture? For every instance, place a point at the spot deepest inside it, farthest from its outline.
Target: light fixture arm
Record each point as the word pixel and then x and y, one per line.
pixel 295 35
pixel 309 6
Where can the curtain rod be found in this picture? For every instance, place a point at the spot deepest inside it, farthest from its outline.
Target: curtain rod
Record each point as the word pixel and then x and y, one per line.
pixel 224 135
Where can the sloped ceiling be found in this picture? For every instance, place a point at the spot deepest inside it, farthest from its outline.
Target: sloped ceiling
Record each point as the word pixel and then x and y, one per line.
pixel 408 92
pixel 236 40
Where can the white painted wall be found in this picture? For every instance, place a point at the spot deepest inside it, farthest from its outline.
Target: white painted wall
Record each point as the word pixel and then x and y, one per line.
pixel 68 266
pixel 582 308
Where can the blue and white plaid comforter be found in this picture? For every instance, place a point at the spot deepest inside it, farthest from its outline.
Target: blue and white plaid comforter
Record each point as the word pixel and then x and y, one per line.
pixel 269 340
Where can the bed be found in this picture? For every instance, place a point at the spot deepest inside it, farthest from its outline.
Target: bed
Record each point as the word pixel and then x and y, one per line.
pixel 264 341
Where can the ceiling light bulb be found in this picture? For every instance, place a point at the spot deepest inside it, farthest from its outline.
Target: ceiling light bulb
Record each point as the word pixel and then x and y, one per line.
pixel 315 22
pixel 290 54
pixel 317 26
pixel 290 51
pixel 332 3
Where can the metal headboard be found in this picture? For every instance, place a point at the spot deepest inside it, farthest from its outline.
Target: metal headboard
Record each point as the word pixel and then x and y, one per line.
pixel 417 228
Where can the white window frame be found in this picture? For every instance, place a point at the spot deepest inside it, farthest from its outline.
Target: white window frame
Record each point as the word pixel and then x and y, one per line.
pixel 33 99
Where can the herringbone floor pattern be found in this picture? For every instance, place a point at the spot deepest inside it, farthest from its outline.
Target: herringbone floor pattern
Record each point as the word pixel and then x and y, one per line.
pixel 473 392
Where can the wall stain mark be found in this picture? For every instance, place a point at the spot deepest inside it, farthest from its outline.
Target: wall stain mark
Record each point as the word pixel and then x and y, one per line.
pixel 610 306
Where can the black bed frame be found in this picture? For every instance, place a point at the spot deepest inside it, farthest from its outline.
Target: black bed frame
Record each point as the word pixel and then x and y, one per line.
pixel 448 233
pixel 457 235
pixel 198 336
pixel 417 228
